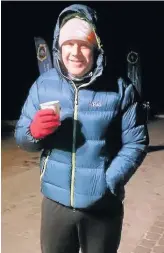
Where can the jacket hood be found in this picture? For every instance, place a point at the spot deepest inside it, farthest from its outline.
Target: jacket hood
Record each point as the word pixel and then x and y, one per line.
pixel 90 16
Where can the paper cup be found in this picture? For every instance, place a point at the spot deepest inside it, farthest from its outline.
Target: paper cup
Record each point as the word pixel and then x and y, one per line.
pixel 55 105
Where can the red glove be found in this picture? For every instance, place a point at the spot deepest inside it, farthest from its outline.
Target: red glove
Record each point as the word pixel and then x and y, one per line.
pixel 45 122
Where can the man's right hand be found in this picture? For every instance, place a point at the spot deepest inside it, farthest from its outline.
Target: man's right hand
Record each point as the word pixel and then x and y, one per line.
pixel 45 122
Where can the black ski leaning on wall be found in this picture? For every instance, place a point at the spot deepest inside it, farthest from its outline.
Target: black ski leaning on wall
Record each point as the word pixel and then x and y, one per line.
pixel 134 74
pixel 43 55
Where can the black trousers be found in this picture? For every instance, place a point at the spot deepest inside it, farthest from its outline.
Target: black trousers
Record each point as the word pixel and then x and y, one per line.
pixel 64 230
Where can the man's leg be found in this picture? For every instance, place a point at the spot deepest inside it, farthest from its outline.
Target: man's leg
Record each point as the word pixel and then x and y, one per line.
pixel 58 229
pixel 100 234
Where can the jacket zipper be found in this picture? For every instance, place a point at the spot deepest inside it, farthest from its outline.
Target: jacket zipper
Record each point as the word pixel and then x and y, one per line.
pixel 45 165
pixel 74 147
pixel 74 141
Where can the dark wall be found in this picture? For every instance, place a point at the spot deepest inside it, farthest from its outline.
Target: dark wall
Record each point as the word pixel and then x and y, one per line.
pixel 128 25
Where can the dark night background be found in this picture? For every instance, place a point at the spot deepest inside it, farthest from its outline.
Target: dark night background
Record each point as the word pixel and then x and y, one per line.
pixel 129 25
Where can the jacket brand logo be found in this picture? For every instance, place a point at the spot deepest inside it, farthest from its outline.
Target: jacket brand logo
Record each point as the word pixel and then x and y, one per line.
pixel 95 104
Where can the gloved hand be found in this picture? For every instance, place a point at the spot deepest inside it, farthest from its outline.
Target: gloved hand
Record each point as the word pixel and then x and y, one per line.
pixel 45 122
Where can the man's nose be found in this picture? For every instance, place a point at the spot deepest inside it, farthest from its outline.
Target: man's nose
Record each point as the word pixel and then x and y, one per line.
pixel 75 50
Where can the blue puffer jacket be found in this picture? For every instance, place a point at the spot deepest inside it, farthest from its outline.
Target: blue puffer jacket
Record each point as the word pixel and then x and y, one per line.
pixel 102 138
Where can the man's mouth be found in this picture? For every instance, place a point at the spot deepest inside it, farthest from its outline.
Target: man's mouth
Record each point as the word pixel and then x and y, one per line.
pixel 76 61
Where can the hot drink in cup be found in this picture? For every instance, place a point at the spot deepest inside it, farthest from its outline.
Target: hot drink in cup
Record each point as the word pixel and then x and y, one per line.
pixel 55 105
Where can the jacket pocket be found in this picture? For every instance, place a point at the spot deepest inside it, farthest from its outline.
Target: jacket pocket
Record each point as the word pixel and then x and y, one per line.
pixel 44 165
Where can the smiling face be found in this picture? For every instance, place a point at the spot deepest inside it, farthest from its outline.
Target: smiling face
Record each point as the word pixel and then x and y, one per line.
pixel 77 57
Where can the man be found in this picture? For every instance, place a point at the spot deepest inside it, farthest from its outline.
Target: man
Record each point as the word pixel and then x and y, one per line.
pixel 91 149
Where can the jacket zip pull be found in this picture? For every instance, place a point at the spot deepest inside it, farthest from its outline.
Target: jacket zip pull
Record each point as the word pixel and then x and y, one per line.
pixel 45 165
pixel 76 93
pixel 76 102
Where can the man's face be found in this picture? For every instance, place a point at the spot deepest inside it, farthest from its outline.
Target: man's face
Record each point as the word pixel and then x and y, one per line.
pixel 77 57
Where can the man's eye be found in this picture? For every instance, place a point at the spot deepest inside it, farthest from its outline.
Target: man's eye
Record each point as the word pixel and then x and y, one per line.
pixel 84 46
pixel 70 43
